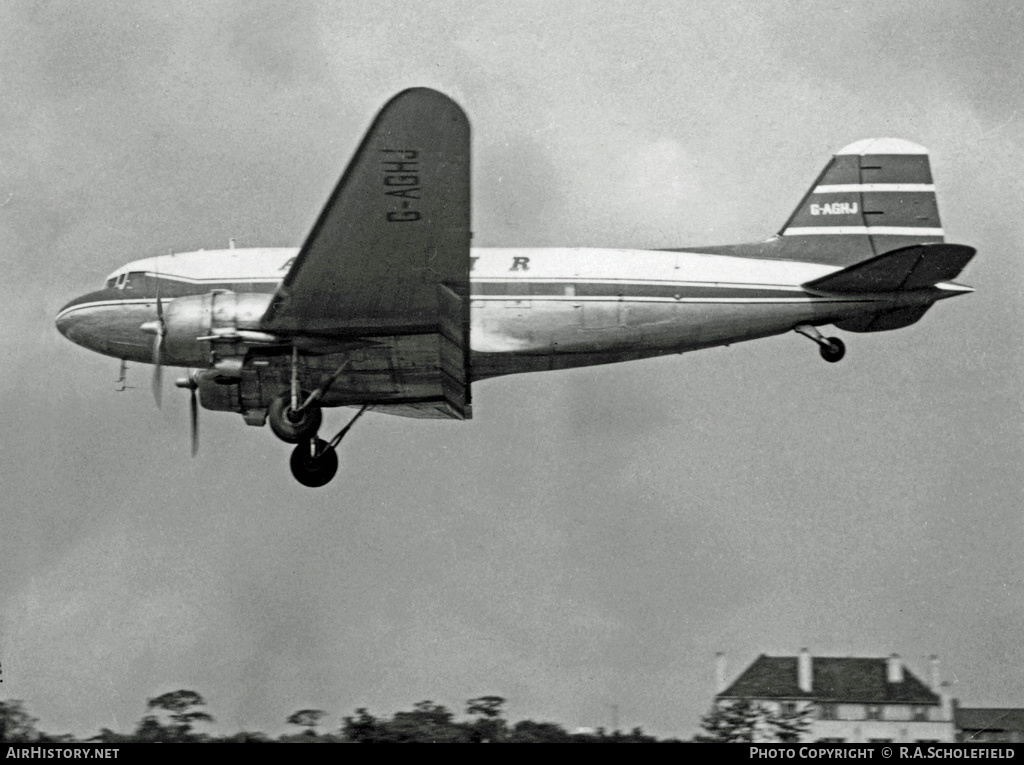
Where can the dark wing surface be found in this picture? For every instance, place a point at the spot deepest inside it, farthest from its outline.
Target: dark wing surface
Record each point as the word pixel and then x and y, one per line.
pixel 396 226
pixel 387 261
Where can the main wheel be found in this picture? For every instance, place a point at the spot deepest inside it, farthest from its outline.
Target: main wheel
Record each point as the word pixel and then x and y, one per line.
pixel 290 427
pixel 313 464
pixel 834 351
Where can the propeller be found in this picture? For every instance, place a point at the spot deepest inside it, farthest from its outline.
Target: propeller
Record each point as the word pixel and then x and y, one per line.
pixel 193 407
pixel 158 344
pixel 158 329
pixel 194 412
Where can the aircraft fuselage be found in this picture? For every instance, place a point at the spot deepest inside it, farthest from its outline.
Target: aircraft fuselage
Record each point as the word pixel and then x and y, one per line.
pixel 531 309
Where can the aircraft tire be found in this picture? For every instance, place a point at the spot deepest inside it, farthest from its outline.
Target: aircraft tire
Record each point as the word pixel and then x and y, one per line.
pixel 834 351
pixel 314 471
pixel 289 430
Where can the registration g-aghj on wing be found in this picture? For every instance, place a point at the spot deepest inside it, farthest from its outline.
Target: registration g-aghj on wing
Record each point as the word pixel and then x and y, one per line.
pixel 385 307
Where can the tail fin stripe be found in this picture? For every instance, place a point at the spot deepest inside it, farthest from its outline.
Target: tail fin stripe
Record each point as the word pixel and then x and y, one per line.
pixel 841 188
pixel 863 230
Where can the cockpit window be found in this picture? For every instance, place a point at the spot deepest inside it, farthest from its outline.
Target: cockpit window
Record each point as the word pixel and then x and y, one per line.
pixel 110 282
pixel 137 280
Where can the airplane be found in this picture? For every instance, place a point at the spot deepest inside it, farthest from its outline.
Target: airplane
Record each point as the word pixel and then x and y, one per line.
pixel 386 307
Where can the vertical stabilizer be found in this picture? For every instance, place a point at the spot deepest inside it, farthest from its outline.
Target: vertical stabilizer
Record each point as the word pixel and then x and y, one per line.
pixel 875 195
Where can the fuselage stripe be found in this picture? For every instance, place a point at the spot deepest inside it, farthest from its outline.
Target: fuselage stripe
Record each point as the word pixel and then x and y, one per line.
pixel 103 304
pixel 842 188
pixel 804 298
pixel 863 231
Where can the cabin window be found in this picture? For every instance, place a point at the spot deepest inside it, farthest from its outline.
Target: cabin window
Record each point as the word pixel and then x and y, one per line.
pixel 874 712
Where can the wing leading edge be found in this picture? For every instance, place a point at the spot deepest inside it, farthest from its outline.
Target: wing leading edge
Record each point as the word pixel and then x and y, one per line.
pixel 388 256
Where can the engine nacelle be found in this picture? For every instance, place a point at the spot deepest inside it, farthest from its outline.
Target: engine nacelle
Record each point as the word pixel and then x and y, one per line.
pixel 201 327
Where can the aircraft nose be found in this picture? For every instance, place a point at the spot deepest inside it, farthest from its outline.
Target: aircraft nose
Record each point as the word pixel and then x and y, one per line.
pixel 75 322
pixel 64 320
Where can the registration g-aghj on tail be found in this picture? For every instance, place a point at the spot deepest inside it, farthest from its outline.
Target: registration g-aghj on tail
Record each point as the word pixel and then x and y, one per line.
pixel 386 307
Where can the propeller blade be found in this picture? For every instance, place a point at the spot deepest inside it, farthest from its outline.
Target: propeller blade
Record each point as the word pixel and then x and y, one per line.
pixel 158 370
pixel 194 411
pixel 158 342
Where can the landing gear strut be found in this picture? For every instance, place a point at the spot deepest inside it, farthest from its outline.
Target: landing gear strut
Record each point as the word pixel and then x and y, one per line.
pixel 832 349
pixel 314 462
pixel 295 416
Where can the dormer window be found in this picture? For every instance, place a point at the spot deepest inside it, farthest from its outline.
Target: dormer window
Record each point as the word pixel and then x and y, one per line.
pixel 828 711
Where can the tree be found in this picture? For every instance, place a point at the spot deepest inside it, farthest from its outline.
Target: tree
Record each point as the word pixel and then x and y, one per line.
pixel 16 725
pixel 790 726
pixel 489 725
pixel 486 706
pixel 746 720
pixel 530 732
pixel 426 723
pixel 179 707
pixel 307 718
pixel 362 729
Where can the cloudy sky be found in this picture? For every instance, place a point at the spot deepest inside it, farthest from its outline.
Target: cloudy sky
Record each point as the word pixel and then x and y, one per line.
pixel 594 536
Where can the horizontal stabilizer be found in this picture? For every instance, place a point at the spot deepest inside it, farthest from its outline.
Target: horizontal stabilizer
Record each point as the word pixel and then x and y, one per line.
pixel 908 268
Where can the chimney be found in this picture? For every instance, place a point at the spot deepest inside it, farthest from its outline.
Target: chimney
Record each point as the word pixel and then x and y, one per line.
pixel 719 672
pixel 804 670
pixel 894 669
pixel 936 677
pixel 946 699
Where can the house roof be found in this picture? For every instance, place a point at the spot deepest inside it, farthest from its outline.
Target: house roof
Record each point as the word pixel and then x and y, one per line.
pixel 989 719
pixel 837 679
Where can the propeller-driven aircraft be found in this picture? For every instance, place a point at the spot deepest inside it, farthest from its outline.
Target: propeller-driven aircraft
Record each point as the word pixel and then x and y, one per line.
pixel 386 307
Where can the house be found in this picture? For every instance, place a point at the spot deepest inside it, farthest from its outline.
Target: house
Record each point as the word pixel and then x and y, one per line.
pixel 989 724
pixel 847 699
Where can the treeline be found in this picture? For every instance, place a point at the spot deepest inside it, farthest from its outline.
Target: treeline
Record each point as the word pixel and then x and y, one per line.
pixel 172 718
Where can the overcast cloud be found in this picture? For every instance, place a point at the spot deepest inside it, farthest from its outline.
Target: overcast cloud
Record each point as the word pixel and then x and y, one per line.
pixel 594 536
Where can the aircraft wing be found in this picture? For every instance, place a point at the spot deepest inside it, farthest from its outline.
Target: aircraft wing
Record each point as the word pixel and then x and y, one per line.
pixel 388 257
pixel 395 227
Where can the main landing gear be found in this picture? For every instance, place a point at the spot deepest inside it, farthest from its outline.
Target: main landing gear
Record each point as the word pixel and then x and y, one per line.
pixel 832 349
pixel 314 462
pixel 291 422
pixel 296 416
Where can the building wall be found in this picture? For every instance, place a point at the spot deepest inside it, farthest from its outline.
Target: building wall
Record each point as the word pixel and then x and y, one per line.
pixel 898 731
pixel 896 722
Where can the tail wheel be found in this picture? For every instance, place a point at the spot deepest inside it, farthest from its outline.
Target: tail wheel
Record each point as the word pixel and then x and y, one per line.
pixel 292 427
pixel 313 463
pixel 834 351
